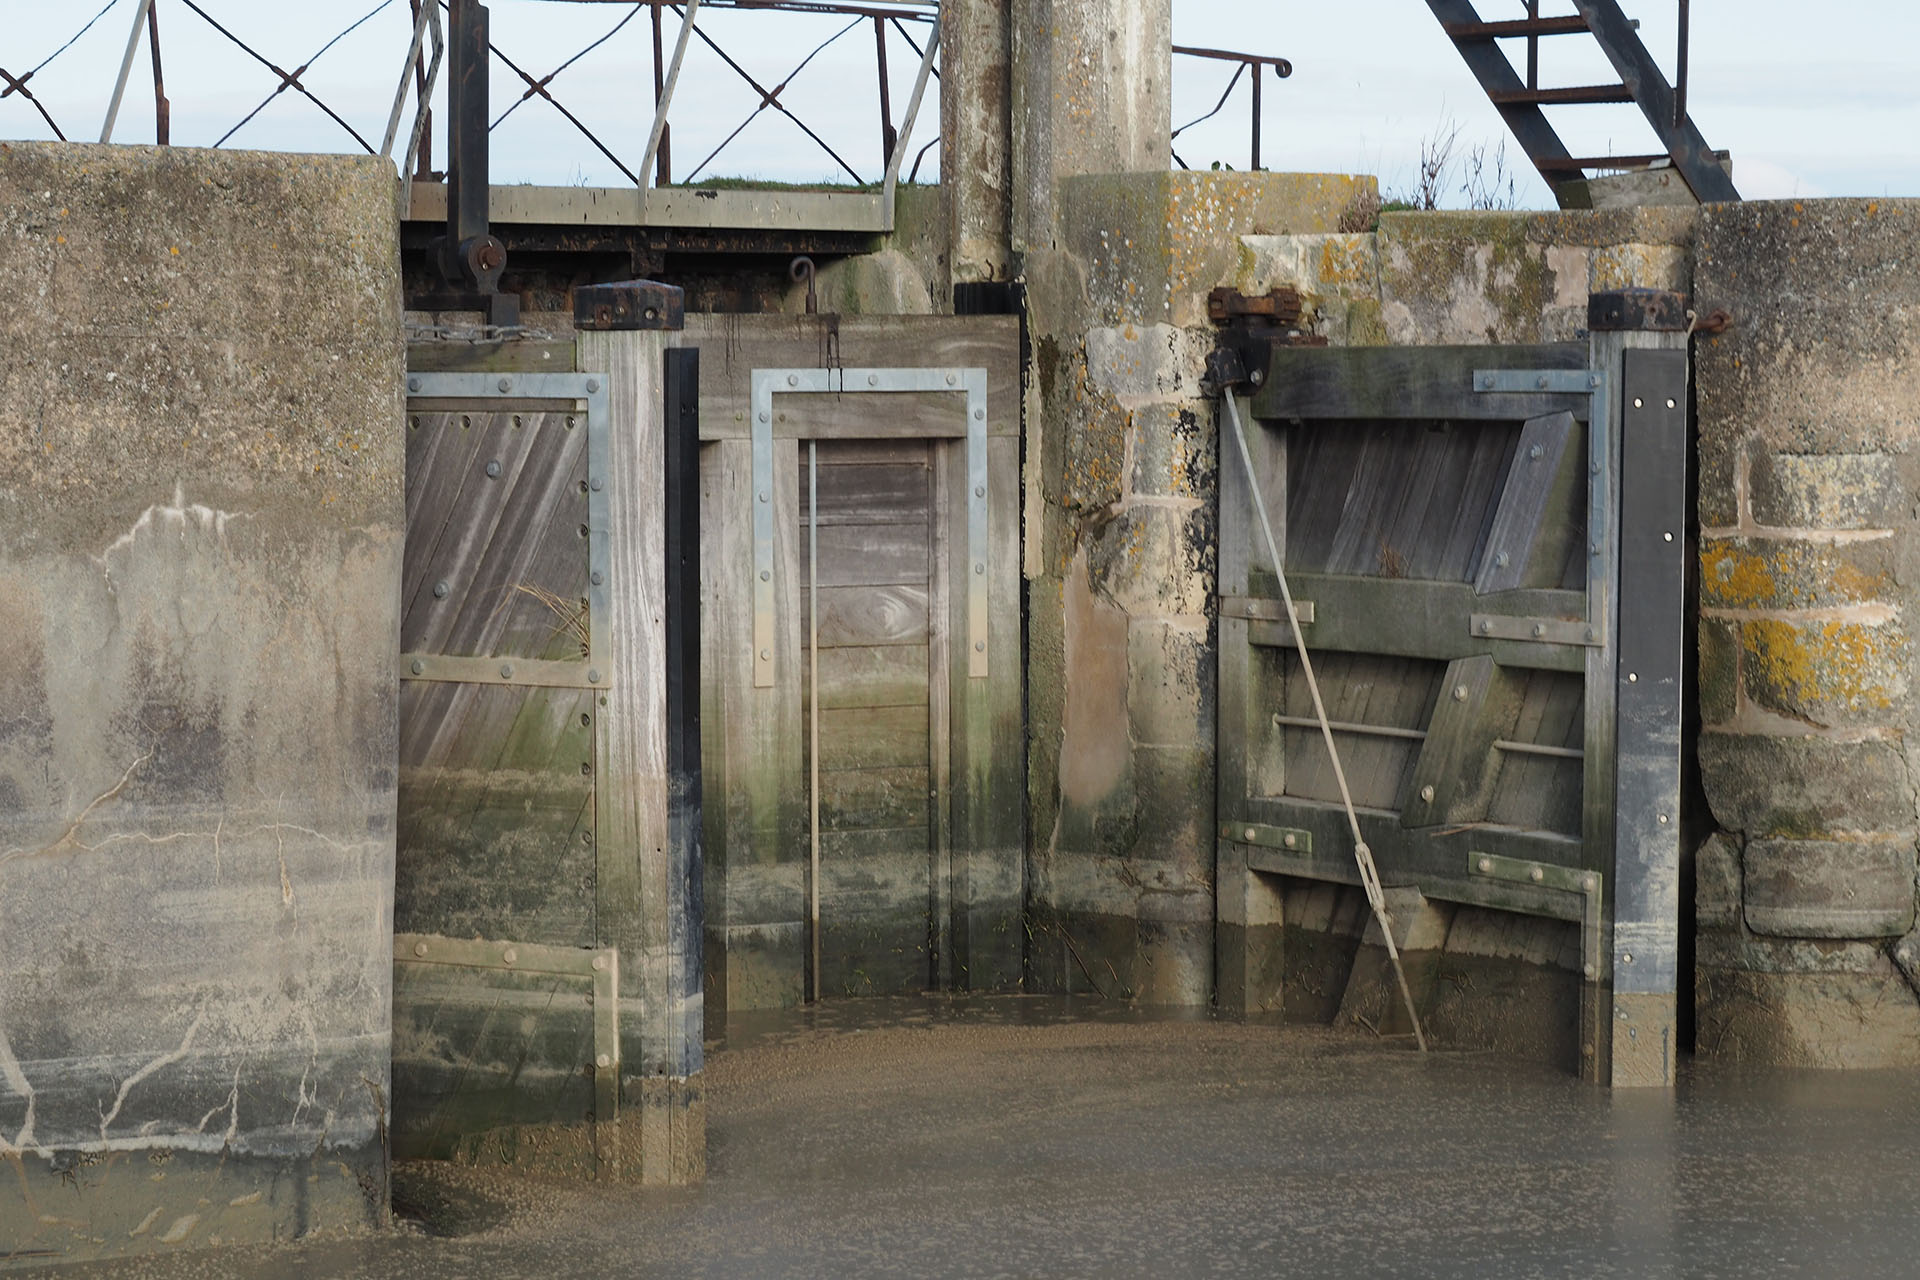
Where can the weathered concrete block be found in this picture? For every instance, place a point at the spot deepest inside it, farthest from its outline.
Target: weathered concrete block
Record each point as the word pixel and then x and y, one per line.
pixel 1155 243
pixel 1722 460
pixel 1133 362
pixel 1157 560
pixel 1831 672
pixel 1719 670
pixel 1833 1020
pixel 1804 787
pixel 1794 573
pixel 1831 491
pixel 1860 888
pixel 1170 686
pixel 1839 270
pixel 201 519
pixel 1641 266
pixel 1716 882
pixel 1171 451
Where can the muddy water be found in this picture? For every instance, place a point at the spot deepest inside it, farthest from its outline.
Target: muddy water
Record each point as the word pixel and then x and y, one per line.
pixel 1027 1137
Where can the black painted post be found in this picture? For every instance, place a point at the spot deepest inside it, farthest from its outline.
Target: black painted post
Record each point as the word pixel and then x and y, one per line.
pixel 682 426
pixel 1640 336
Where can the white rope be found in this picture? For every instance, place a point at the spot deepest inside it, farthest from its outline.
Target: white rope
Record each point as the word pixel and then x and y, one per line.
pixel 1362 855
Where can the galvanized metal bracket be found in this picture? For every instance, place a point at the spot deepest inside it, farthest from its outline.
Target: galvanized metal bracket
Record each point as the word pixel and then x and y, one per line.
pixel 561 390
pixel 1265 609
pixel 600 967
pixel 1588 886
pixel 1291 839
pixel 1594 384
pixel 767 383
pixel 1496 626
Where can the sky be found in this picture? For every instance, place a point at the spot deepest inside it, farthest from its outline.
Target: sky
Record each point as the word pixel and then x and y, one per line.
pixel 1808 109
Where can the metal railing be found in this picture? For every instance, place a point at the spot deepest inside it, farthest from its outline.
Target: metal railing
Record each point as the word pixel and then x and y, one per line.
pixel 895 25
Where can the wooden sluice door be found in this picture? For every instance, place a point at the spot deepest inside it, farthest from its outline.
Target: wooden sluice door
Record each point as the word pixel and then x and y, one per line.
pixel 1485 547
pixel 865 831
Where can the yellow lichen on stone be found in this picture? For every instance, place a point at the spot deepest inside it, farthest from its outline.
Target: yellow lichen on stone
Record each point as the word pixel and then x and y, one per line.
pixel 1843 665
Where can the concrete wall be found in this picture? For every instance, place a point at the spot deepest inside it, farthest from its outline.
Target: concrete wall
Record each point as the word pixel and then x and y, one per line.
pixel 200 533
pixel 1809 527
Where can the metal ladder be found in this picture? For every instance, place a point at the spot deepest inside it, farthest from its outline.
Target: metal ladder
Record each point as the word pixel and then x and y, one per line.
pixel 1521 101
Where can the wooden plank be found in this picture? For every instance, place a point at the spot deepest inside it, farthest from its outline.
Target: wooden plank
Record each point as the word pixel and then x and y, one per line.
pixel 1422 620
pixel 867 555
pixel 732 346
pixel 854 799
pixel 490 357
pixel 639 892
pixel 893 492
pixel 873 738
pixel 894 415
pixel 884 676
pixel 1452 781
pixel 1358 383
pixel 861 616
pixel 1524 547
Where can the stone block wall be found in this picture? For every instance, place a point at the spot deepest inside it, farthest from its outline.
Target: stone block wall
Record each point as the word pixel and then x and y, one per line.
pixel 1120 538
pixel 200 534
pixel 1808 418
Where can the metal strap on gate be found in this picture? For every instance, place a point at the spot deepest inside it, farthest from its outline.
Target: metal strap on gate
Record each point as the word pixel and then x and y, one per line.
pixel 1362 854
pixel 768 383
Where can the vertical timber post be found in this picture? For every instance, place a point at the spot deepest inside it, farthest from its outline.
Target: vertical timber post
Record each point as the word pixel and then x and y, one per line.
pixel 1640 342
pixel 647 742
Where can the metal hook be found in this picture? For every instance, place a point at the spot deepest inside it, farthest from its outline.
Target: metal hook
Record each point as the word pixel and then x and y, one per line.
pixel 802 269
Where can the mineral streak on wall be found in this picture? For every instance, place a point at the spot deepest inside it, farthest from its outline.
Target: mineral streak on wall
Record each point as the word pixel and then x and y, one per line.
pixel 200 535
pixel 1808 420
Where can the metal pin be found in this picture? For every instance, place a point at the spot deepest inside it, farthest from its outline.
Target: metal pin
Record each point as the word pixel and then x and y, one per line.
pixel 603 1061
pixel 873 379
pixel 1536 453
pixel 1486 865
pixel 1637 403
pixel 493 469
pixel 506 671
pixel 1633 677
pixel 979 415
pixel 418 666
pixel 509 956
pixel 1539 629
pixel 1290 840
pixel 1626 959
pixel 766 655
pixel 505 384
pixel 440 590
pixel 600 963
pixel 1666 537
pixel 979 491
pixel 1501 561
pixel 598 578
pixel 763 495
pixel 980 646
pixel 1426 793
pixel 979 568
pixel 1663 820
pixel 1542 383
pixel 1670 404
pixel 593 675
pixel 766 575
pixel 593 384
pixel 793 379
pixel 1588 883
pixel 1251 833
pixel 420 948
pixel 765 416
pixel 1536 875
pixel 1459 693
pixel 952 380
pixel 597 484
pixel 1486 626
pixel 1591 971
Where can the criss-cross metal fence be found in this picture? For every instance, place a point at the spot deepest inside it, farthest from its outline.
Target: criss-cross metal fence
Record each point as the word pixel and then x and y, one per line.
pixel 903 36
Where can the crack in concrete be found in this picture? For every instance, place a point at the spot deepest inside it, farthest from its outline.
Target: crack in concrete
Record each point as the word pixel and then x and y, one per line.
pixel 73 828
pixel 164 1060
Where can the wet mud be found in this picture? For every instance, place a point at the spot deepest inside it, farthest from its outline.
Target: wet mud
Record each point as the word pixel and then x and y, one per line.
pixel 1039 1137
